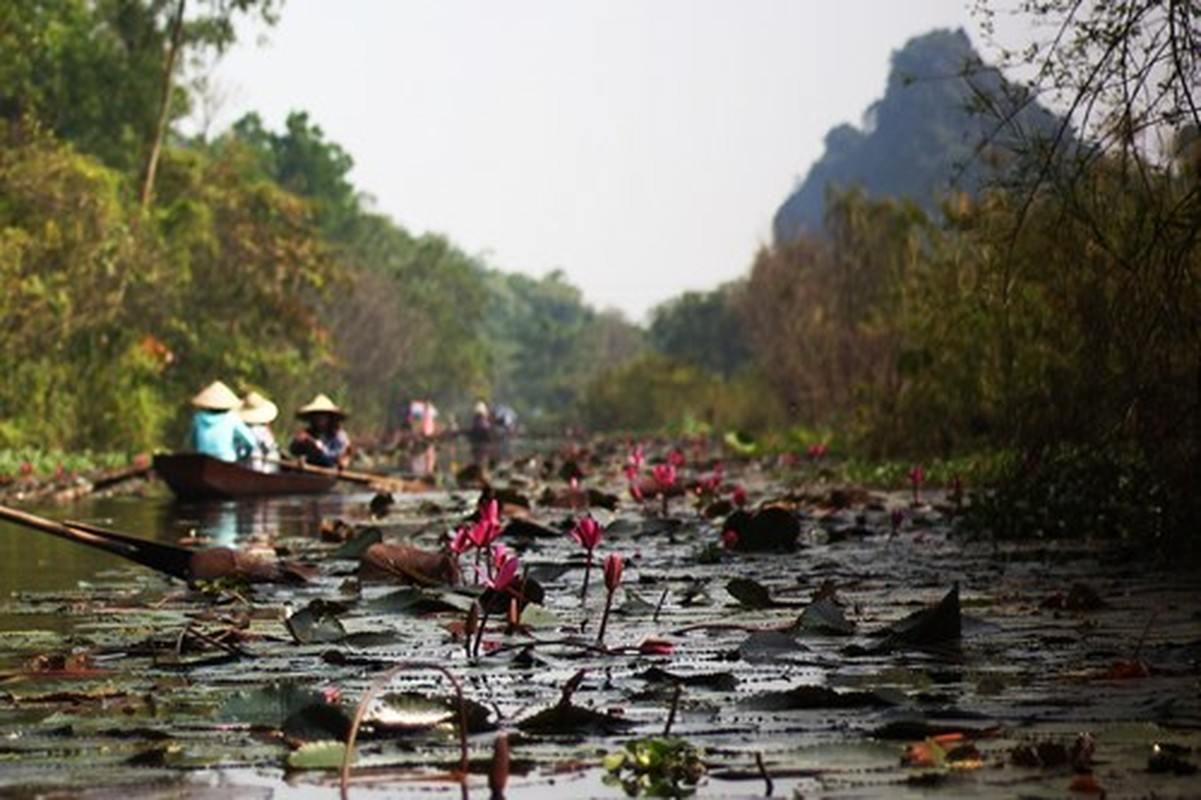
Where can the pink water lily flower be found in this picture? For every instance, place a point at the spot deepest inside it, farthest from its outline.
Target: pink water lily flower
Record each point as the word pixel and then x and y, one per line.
pixel 917 476
pixel 507 566
pixel 461 542
pixel 665 479
pixel 614 564
pixel 587 531
pixel 711 483
pixel 490 512
pixel 613 567
pixel 486 529
pixel 631 472
pixel 636 459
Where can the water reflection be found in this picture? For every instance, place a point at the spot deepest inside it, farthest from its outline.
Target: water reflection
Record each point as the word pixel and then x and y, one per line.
pixel 234 523
pixel 229 523
pixel 31 561
pixel 423 461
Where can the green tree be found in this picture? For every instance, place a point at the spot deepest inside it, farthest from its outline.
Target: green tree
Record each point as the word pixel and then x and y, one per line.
pixel 101 74
pixel 538 331
pixel 249 271
pixel 75 281
pixel 651 393
pixel 825 316
pixel 1119 221
pixel 412 322
pixel 88 72
pixel 703 328
pixel 302 161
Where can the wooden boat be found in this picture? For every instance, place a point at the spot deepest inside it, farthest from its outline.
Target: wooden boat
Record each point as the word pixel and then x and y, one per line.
pixel 195 476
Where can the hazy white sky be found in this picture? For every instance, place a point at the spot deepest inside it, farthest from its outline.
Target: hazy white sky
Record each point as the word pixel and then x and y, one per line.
pixel 641 146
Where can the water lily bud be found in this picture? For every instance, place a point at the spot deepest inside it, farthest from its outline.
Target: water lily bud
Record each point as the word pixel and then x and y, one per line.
pixel 498 770
pixel 613 567
pixel 656 647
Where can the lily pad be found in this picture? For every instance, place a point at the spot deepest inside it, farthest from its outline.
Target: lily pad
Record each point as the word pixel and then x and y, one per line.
pixel 325 755
pixel 824 616
pixel 268 706
pixel 317 623
pixel 568 719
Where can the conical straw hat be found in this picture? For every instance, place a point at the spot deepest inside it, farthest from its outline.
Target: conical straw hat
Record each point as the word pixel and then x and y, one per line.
pixel 216 397
pixel 321 404
pixel 257 410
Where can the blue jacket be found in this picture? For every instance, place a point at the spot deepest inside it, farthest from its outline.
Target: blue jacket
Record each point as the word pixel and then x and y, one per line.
pixel 221 434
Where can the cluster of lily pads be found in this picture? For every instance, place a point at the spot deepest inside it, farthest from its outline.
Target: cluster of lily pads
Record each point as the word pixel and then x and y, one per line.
pixel 458 634
pixel 503 572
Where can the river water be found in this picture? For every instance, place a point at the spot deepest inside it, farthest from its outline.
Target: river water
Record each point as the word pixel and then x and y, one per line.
pixel 32 561
pixel 817 712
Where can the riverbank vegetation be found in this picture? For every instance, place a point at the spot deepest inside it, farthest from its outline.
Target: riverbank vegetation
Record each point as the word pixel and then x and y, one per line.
pixel 1053 316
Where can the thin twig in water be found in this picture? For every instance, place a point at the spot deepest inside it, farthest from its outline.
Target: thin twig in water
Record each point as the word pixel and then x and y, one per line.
pixel 191 630
pixel 659 606
pixel 479 634
pixel 763 771
pixel 671 715
pixel 729 626
pixel 1142 637
pixel 219 643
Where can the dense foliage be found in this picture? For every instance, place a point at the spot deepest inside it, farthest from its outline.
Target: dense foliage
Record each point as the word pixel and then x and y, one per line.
pixel 1054 315
pixel 250 257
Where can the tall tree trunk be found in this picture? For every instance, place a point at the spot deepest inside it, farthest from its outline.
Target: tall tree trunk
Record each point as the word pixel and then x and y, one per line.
pixel 164 108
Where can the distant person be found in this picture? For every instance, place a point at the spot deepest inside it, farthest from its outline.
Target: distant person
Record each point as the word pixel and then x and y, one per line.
pixel 422 419
pixel 504 427
pixel 504 418
pixel 423 428
pixel 217 430
pixel 479 434
pixel 258 413
pixel 322 441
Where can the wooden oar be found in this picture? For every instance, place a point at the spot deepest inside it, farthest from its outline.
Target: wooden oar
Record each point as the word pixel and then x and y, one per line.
pixel 178 562
pixel 171 559
pixel 112 478
pixel 389 482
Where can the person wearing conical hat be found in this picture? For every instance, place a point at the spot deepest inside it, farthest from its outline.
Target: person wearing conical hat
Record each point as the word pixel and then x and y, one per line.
pixel 217 430
pixel 322 441
pixel 258 413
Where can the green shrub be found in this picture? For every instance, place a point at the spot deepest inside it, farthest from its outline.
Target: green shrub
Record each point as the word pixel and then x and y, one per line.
pixel 1071 493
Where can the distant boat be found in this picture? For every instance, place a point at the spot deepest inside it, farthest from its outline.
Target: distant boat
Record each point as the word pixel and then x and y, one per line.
pixel 195 476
